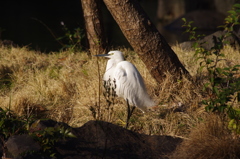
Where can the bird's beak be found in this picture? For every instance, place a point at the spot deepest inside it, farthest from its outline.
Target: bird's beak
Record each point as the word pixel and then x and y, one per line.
pixel 103 55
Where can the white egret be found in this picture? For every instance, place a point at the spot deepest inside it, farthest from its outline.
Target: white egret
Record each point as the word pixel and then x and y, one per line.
pixel 127 82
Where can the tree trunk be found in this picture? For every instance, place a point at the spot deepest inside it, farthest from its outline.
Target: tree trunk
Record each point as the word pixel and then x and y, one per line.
pixel 145 39
pixel 94 27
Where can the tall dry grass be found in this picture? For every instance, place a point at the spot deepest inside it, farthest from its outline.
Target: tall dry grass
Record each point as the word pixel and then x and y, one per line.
pixel 67 87
pixel 208 140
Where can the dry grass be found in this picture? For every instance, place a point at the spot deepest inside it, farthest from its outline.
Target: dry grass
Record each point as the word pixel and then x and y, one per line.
pixel 66 87
pixel 210 139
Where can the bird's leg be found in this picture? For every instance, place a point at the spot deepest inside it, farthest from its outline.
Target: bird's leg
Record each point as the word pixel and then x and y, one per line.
pixel 129 113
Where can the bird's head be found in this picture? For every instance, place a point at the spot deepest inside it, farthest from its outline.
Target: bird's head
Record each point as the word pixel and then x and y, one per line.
pixel 116 55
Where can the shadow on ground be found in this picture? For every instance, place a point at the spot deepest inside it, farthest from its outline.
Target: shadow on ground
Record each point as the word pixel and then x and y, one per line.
pixel 99 139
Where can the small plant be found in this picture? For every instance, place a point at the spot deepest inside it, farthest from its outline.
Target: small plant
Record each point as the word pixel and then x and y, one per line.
pixel 73 39
pixel 6 79
pixel 48 137
pixel 11 124
pixel 109 95
pixel 223 84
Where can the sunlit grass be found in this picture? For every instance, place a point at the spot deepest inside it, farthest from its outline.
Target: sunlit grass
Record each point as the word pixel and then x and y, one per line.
pixel 67 87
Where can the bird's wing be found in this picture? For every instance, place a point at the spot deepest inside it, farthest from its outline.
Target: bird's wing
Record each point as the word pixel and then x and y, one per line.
pixel 128 81
pixel 130 85
pixel 120 78
pixel 109 70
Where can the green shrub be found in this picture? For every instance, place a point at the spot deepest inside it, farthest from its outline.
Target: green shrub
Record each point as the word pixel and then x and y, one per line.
pixel 223 84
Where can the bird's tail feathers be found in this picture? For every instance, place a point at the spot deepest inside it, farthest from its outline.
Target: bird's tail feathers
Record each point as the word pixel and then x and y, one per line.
pixel 146 104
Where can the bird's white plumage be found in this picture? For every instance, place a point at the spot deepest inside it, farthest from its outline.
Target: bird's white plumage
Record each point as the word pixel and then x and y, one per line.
pixel 127 79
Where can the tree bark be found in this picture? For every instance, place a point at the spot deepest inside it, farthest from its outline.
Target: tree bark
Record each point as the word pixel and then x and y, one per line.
pixel 94 26
pixel 145 39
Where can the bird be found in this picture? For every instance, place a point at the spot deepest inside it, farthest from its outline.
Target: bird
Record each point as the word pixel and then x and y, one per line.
pixel 126 81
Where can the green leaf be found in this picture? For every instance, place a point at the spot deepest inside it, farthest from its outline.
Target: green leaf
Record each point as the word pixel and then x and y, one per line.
pixel 191 37
pixel 237 10
pixel 222 55
pixel 195 44
pixel 236 5
pixel 235 69
pixel 206 85
pixel 236 66
pixel 221 109
pixel 209 61
pixel 211 80
pixel 189 23
pixel 204 102
pixel 229 19
pixel 226 73
pixel 215 90
pixel 184 19
pixel 232 12
pixel 70 134
pixel 1 123
pixel 235 19
pixel 53 155
pixel 201 68
pixel 219 70
pixel 208 108
pixel 226 69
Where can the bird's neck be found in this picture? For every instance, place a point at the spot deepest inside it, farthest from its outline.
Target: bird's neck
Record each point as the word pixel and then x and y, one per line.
pixel 115 61
pixel 112 63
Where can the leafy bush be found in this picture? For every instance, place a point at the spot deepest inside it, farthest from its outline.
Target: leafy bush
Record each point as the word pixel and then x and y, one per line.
pixel 73 38
pixel 223 83
pixel 11 124
pixel 48 137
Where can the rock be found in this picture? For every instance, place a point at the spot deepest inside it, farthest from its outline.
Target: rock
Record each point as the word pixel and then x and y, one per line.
pixel 97 139
pixel 203 20
pixel 44 123
pixel 19 144
pixel 209 41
